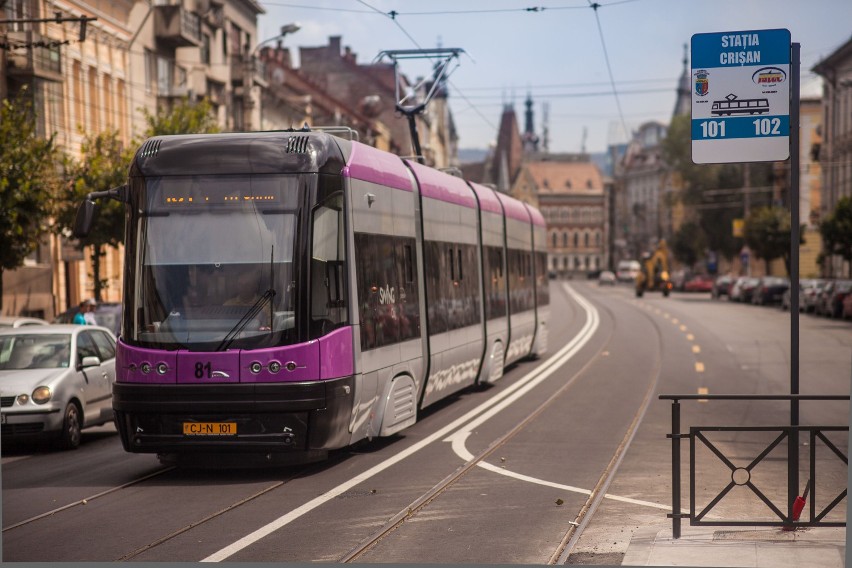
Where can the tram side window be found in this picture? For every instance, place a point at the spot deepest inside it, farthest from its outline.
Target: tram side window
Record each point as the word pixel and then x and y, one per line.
pixel 542 285
pixel 452 284
pixel 495 283
pixel 520 281
pixel 328 272
pixel 388 295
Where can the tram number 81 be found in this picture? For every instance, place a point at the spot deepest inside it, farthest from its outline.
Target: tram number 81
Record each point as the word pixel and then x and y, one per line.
pixel 202 370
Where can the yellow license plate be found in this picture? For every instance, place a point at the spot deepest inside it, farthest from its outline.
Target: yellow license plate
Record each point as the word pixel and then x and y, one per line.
pixel 210 428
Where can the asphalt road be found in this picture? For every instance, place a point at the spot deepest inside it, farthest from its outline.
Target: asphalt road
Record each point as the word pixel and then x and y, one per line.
pixel 583 421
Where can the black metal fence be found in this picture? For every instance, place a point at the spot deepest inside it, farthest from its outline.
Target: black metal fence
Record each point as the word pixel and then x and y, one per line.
pixel 742 476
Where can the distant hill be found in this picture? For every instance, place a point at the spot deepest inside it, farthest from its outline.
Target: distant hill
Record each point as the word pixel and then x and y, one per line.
pixel 472 155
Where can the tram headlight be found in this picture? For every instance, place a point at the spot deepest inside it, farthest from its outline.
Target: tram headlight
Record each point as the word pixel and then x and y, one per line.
pixel 23 399
pixel 255 367
pixel 41 395
pixel 145 367
pixel 274 366
pixel 162 368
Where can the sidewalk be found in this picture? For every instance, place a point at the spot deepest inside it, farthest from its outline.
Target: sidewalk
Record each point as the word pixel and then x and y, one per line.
pixel 738 547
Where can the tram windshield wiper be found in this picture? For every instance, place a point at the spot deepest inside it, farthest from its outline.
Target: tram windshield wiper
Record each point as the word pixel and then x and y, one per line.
pixel 249 315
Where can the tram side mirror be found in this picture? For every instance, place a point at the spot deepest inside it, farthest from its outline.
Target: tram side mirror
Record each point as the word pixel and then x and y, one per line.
pixel 87 210
pixel 85 218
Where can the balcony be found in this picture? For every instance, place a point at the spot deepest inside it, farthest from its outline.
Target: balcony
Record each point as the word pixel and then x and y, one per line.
pixel 39 56
pixel 176 26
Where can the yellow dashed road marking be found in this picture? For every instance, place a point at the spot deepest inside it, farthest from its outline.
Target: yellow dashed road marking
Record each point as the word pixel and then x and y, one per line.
pixel 675 321
pixel 699 367
pixel 703 390
pixel 696 349
pixel 683 327
pixel 690 337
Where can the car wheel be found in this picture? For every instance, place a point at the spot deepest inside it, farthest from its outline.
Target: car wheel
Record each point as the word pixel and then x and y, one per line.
pixel 69 438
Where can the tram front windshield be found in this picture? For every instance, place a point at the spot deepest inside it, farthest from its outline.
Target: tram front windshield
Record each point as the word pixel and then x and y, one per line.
pixel 214 262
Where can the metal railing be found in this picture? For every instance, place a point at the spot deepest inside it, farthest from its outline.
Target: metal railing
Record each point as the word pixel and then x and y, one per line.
pixel 741 476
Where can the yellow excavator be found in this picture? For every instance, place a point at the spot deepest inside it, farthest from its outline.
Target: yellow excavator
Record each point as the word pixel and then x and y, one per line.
pixel 654 274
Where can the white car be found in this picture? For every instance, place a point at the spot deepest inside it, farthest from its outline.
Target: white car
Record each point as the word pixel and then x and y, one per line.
pixel 20 321
pixel 55 380
pixel 627 270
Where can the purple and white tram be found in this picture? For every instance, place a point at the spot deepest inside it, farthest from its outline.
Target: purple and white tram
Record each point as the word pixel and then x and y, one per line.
pixel 288 293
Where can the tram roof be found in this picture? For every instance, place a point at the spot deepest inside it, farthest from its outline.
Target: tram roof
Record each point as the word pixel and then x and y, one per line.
pixel 514 209
pixel 487 198
pixel 369 164
pixel 441 186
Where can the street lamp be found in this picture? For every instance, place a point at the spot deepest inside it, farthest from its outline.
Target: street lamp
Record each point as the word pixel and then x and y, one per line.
pixel 248 81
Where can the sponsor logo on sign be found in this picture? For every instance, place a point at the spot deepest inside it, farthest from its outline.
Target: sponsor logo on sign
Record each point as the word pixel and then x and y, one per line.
pixel 769 76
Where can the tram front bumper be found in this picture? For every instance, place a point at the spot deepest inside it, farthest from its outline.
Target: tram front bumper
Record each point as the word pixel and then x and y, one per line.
pixel 260 417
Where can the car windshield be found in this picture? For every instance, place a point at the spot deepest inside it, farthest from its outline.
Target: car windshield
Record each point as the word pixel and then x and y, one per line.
pixel 35 351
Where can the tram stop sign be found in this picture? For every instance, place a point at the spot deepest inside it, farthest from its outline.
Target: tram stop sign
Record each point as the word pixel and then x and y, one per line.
pixel 741 96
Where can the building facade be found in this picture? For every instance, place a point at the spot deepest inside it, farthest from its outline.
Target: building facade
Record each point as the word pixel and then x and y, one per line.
pixel 138 57
pixel 835 154
pixel 571 197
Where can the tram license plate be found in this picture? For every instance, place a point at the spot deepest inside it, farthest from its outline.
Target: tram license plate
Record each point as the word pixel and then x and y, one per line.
pixel 210 428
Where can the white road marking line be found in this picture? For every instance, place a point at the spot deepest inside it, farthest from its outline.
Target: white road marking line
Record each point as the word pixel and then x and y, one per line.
pixel 459 438
pixel 547 367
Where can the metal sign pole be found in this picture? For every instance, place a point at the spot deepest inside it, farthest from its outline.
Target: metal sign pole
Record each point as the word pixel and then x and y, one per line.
pixel 793 450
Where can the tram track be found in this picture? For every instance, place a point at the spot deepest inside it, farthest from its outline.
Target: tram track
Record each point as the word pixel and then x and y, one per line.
pixel 596 495
pixel 469 421
pixel 87 500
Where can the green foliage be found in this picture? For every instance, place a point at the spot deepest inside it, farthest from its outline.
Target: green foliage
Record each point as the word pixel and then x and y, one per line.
pixel 705 185
pixel 688 243
pixel 103 165
pixel 28 181
pixel 183 117
pixel 836 230
pixel 767 233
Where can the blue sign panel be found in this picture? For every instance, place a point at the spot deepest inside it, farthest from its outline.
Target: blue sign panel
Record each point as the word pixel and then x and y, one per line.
pixel 741 96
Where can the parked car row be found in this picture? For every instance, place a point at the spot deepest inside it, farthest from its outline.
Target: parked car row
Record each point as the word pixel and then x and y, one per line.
pixel 824 297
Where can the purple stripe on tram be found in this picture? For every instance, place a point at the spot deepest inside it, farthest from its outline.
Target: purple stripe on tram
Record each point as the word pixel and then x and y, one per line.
pixel 441 186
pixel 330 357
pixel 487 199
pixel 368 164
pixel 336 354
pixel 514 209
pixel 536 216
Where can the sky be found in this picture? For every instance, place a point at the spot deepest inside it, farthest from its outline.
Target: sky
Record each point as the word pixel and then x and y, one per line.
pixel 598 71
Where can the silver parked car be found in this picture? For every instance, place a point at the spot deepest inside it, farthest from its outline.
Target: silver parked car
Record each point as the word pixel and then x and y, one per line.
pixel 55 380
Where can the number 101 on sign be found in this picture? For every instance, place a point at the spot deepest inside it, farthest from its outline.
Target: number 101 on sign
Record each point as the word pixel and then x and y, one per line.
pixel 713 129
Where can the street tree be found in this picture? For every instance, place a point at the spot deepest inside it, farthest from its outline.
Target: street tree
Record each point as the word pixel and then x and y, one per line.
pixel 103 165
pixel 28 182
pixel 767 233
pixel 714 192
pixel 182 117
pixel 688 243
pixel 836 230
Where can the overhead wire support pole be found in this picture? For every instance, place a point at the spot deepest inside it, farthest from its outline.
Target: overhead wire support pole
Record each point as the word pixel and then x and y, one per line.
pixel 444 56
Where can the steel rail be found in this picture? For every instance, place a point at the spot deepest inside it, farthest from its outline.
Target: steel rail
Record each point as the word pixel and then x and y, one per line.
pixel 589 508
pixel 86 500
pixel 424 500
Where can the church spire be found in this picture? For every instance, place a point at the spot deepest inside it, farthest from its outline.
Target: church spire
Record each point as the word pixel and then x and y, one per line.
pixel 530 140
pixel 683 103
